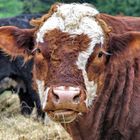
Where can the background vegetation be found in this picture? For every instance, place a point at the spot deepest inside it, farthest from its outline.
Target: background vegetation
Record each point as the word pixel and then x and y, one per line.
pixel 9 8
pixel 14 126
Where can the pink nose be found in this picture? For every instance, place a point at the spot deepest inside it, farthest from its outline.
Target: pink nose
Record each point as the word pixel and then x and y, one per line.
pixel 61 95
pixel 61 98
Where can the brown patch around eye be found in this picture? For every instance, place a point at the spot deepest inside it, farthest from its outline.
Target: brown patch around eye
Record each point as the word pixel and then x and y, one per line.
pixel 96 63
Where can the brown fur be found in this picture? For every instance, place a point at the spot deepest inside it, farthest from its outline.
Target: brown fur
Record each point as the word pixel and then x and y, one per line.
pixel 120 24
pixel 115 113
pixel 61 58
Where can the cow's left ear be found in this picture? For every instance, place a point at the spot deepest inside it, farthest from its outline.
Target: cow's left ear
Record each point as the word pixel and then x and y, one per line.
pixel 127 43
pixel 16 42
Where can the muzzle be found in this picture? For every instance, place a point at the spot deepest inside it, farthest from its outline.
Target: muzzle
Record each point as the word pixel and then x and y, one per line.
pixel 64 103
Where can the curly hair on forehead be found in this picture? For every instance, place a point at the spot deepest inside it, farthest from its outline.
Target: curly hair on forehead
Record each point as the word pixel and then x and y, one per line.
pixel 39 21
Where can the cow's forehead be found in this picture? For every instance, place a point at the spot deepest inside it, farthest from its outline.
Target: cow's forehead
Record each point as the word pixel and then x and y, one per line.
pixel 73 19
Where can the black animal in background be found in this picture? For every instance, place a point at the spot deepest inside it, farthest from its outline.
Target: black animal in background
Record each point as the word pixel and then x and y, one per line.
pixel 15 75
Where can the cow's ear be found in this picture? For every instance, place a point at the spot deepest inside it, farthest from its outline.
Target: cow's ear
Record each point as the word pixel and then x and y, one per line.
pixel 127 43
pixel 16 42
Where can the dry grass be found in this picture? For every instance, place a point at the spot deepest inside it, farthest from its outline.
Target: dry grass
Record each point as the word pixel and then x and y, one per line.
pixel 14 126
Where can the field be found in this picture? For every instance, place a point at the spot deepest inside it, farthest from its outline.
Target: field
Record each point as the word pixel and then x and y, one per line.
pixel 14 126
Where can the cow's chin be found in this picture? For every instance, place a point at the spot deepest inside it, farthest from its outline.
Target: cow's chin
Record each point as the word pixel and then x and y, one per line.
pixel 63 116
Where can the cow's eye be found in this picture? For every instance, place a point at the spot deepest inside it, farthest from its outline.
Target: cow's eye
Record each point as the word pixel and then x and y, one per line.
pixel 36 50
pixel 100 54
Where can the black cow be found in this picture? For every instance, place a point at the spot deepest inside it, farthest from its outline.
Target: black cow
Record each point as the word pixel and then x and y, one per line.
pixel 16 75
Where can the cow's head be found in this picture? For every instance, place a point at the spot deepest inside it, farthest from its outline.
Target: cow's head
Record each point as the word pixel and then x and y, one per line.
pixel 69 60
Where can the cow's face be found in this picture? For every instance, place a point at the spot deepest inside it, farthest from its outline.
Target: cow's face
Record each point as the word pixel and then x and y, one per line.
pixel 61 83
pixel 66 41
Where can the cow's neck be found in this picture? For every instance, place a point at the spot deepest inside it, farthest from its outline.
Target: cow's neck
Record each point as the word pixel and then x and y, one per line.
pixel 89 126
pixel 109 114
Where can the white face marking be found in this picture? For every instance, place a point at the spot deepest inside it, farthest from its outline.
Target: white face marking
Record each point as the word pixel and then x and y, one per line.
pixel 45 98
pixel 43 94
pixel 41 87
pixel 91 89
pixel 77 19
pixel 73 19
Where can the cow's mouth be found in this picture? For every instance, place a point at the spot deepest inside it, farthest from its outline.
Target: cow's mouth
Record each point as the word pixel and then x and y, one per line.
pixel 63 116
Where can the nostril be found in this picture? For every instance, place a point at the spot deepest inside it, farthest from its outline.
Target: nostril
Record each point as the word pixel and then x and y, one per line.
pixel 76 98
pixel 55 97
pixel 66 95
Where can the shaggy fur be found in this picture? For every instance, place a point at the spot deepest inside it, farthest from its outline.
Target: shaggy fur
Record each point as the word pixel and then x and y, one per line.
pixel 112 115
pixel 115 111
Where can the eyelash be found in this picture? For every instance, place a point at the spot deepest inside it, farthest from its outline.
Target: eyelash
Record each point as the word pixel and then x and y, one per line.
pixel 100 54
pixel 35 50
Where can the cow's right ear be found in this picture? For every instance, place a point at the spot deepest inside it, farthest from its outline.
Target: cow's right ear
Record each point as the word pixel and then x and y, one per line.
pixel 124 46
pixel 16 42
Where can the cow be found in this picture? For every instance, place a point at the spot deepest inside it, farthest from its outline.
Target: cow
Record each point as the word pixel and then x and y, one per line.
pixel 86 69
pixel 16 75
pixel 21 21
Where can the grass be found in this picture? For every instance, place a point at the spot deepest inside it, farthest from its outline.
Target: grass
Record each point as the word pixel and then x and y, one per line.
pixel 14 126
